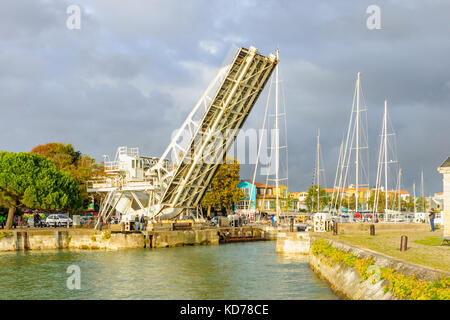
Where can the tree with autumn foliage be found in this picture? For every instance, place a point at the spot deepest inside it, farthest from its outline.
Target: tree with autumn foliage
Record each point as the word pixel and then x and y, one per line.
pixel 33 181
pixel 81 167
pixel 224 192
pixel 381 199
pixel 311 198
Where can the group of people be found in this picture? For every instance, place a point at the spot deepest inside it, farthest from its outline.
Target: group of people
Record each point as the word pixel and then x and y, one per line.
pixel 18 221
pixel 37 220
pixel 139 222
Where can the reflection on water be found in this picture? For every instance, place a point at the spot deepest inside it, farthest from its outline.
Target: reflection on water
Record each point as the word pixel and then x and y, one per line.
pixel 233 271
pixel 292 258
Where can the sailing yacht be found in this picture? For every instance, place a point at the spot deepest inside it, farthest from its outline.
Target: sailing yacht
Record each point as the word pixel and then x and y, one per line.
pixel 321 217
pixel 387 157
pixel 317 171
pixel 353 151
pixel 421 216
pixel 277 147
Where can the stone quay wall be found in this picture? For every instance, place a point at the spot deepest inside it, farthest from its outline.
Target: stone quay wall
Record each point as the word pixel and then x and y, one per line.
pixel 90 239
pixel 346 282
pixel 166 239
pixel 293 242
pixel 70 239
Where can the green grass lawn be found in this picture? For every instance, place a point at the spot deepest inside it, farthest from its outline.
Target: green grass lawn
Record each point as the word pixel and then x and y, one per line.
pixel 423 246
pixel 429 241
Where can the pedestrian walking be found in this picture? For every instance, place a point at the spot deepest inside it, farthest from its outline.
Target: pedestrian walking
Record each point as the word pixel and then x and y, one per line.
pixel 136 223
pixel 100 221
pixel 432 216
pixel 142 223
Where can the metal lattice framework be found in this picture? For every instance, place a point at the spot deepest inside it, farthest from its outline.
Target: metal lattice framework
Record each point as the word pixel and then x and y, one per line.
pixel 180 177
pixel 194 164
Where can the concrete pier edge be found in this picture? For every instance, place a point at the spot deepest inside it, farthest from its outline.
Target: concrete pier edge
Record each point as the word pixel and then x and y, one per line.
pixel 13 240
pixel 345 281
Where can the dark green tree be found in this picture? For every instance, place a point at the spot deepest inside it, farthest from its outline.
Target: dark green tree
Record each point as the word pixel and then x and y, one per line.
pixel 223 191
pixel 409 204
pixel 422 204
pixel 81 167
pixel 33 181
pixel 381 201
pixel 350 201
pixel 311 198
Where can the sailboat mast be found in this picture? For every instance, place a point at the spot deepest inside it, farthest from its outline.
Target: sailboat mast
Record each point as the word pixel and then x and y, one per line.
pixel 318 170
pixel 422 191
pixel 414 191
pixel 385 159
pixel 357 140
pixel 336 189
pixel 399 189
pixel 277 142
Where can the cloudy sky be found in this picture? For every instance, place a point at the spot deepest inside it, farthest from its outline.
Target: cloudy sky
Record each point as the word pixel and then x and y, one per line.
pixel 134 70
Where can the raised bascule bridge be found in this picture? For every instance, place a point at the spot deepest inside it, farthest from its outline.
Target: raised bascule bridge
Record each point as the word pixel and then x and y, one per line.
pixel 162 188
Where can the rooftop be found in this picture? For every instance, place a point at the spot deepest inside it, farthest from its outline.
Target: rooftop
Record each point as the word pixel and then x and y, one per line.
pixel 446 163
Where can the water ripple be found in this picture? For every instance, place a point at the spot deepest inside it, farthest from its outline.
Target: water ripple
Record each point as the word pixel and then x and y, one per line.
pixel 233 271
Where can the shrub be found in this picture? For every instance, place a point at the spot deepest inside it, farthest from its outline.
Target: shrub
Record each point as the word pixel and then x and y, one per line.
pixel 106 235
pixel 401 286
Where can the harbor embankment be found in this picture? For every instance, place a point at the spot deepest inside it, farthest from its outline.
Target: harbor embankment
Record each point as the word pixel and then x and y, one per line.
pixel 114 240
pixel 357 273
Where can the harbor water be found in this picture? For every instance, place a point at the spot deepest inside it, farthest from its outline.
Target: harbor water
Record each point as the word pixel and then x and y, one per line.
pixel 233 271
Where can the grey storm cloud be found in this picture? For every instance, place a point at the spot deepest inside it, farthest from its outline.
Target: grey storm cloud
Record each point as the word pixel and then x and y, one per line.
pixel 135 69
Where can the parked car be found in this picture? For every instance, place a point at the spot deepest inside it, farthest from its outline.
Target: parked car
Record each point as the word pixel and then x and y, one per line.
pixel 215 221
pixel 41 223
pixel 235 220
pixel 58 220
pixel 30 222
pixel 86 220
pixel 113 220
pixel 398 219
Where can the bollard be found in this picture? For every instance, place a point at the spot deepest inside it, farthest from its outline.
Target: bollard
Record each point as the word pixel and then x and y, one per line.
pixel 403 243
pixel 372 229
pixel 335 228
pixel 291 226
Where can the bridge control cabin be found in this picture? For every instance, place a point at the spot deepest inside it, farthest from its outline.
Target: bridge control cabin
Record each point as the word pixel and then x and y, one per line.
pixel 128 167
pixel 130 164
pixel 128 190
